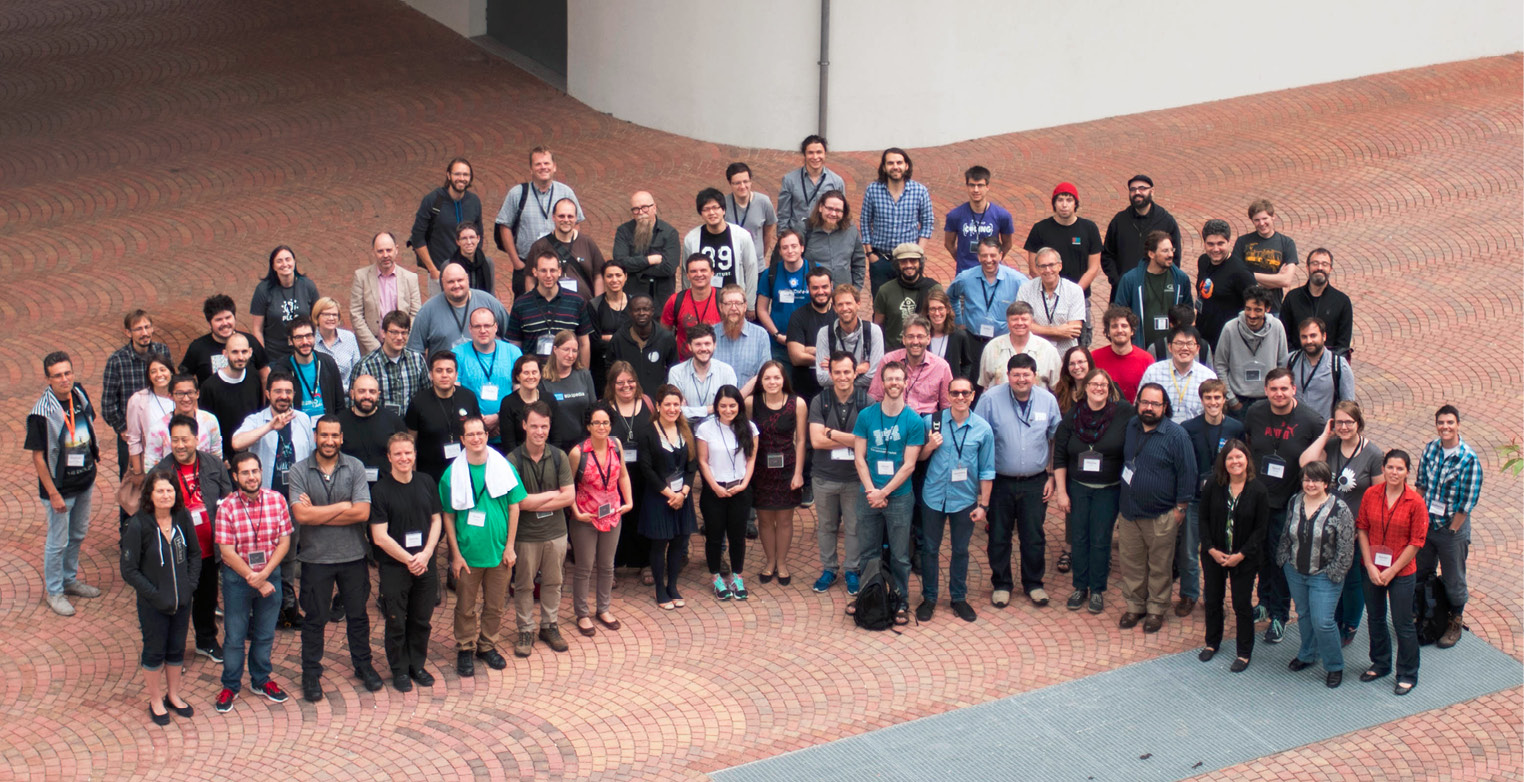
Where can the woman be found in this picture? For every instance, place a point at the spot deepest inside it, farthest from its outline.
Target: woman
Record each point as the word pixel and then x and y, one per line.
pixel 1355 464
pixel 283 294
pixel 727 451
pixel 780 417
pixel 829 241
pixel 1087 483
pixel 526 389
pixel 610 314
pixel 632 417
pixel 666 509
pixel 1392 528
pixel 182 388
pixel 152 404
pixel 481 274
pixel 1316 548
pixel 572 388
pixel 339 343
pixel 950 341
pixel 602 499
pixel 1068 389
pixel 162 561
pixel 1235 512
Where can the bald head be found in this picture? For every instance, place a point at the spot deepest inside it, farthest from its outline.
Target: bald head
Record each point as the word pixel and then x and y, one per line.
pixel 237 352
pixel 456 284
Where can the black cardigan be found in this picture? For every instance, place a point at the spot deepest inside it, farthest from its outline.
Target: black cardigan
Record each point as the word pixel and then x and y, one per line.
pixel 1251 520
pixel 963 354
pixel 149 566
pixel 1067 447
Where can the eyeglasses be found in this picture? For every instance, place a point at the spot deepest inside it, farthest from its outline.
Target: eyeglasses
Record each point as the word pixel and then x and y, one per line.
pixel 397 332
pixel 642 208
pixel 1182 345
pixel 1338 423
pixel 960 393
pixel 1139 189
pixel 599 423
pixel 185 394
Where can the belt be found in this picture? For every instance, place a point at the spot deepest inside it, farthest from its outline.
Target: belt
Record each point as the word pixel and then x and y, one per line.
pixel 1043 474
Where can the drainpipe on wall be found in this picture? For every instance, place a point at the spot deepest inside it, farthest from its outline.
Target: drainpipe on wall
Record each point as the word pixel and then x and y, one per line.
pixel 825 61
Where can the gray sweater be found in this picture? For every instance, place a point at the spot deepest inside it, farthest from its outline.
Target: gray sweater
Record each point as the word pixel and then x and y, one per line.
pixel 1244 356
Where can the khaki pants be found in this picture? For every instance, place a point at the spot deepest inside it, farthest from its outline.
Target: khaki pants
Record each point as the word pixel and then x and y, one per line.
pixel 547 559
pixel 480 633
pixel 1146 548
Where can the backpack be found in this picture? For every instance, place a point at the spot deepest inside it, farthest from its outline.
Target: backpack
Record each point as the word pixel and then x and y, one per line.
pixel 1431 609
pixel 513 226
pixel 876 598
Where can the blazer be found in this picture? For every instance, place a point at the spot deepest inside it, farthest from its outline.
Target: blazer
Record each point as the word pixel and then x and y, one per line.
pixel 365 303
pixel 963 354
pixel 1251 520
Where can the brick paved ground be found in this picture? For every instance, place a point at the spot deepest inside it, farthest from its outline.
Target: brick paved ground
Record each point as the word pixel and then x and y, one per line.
pixel 155 150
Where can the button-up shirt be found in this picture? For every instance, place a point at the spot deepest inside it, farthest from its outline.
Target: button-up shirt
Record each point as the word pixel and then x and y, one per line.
pixel 997 357
pixel 345 352
pixel 126 374
pixel 887 223
pixel 399 378
pixel 330 544
pixel 925 384
pixel 1315 382
pixel 969 445
pixel 1163 464
pixel 1024 433
pixel 1065 305
pixel 1184 390
pixel 699 394
pixel 252 525
pixel 386 291
pixel 265 448
pixel 746 353
pixel 1455 481
pixel 535 219
pixel 979 304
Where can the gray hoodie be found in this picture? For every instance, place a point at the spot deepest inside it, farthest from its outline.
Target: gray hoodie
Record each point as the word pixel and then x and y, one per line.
pixel 1244 356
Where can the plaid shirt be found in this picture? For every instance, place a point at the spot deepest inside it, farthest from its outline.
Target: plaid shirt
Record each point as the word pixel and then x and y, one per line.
pixel 252 526
pixel 1455 481
pixel 399 380
pixel 126 374
pixel 886 223
pixel 745 354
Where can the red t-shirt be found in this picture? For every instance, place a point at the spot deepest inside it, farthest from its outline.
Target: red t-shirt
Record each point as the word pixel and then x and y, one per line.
pixel 1126 371
pixel 1406 523
pixel 693 312
pixel 190 487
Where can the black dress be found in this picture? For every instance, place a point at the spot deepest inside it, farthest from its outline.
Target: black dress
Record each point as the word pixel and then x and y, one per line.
pixel 662 460
pixel 606 322
pixel 776 434
pixel 633 547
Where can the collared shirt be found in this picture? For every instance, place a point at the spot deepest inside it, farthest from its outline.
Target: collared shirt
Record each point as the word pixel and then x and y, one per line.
pixel 399 378
pixel 746 353
pixel 1023 433
pixel 1455 481
pixel 301 440
pixel 925 385
pixel 126 374
pixel 797 195
pixel 386 291
pixel 1315 382
pixel 1064 305
pixel 980 305
pixel 886 223
pixel 332 543
pixel 1184 390
pixel 252 525
pixel 536 218
pixel 533 316
pixel 699 394
pixel 1158 469
pixel 970 446
pixel 475 369
pixel 345 352
pixel 997 356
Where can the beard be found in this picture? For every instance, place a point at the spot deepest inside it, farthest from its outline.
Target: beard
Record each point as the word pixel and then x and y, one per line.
pixel 1150 417
pixel 644 226
pixel 1320 278
pixel 1140 201
pixel 366 406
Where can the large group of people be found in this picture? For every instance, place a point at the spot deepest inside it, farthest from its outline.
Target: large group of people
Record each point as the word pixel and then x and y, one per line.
pixel 718 380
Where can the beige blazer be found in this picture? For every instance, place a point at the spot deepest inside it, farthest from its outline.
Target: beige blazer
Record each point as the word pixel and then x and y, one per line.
pixel 365 304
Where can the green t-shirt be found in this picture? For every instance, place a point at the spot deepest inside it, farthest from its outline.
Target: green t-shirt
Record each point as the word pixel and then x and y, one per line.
pixel 1158 297
pixel 482 538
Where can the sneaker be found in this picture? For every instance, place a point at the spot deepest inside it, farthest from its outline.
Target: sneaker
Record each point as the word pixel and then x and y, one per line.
pixel 1000 598
pixel 465 664
pixel 81 589
pixel 213 652
pixel 827 578
pixel 525 645
pixel 721 591
pixel 60 605
pixel 1452 634
pixel 737 588
pixel 493 660
pixel 551 635
pixel 964 610
pixel 422 677
pixel 807 499
pixel 272 691
pixel 1275 632
pixel 853 582
pixel 1097 602
pixel 225 700
pixel 1038 596
pixel 1261 614
pixel 924 611
pixel 1077 600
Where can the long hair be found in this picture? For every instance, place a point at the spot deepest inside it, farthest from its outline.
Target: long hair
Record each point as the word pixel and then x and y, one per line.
pixel 270 275
pixel 817 218
pixel 1067 391
pixel 145 500
pixel 615 370
pixel 939 295
pixel 662 394
pixel 788 388
pixel 740 426
pixel 1220 467
pixel 551 369
pixel 157 358
pixel 883 176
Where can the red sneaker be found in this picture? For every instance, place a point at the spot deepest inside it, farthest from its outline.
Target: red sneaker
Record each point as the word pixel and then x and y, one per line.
pixel 225 700
pixel 273 691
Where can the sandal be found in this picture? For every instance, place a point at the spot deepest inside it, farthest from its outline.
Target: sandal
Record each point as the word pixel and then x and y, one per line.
pixel 667 606
pixel 679 602
pixel 902 617
pixel 1063 562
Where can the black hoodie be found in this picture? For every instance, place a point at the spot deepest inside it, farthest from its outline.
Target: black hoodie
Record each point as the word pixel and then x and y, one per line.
pixel 164 573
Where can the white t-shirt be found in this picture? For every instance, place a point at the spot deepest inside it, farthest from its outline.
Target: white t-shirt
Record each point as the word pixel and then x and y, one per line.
pixel 726 460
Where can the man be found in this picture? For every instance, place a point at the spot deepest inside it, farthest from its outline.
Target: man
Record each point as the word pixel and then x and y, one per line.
pixel 1450 480
pixel 398 370
pixel 700 377
pixel 1221 281
pixel 803 187
pixel 480 494
pixel 1269 254
pixel 1158 482
pixel 441 321
pixel 1058 305
pixel 886 444
pixel 926 374
pixel 435 416
pixel 1123 248
pixel 645 344
pixel 750 210
pixel 480 272
pixel 782 290
pixel 1279 430
pixel 484 366
pixel 253 536
pixel 1181 375
pixel 548 308
pixel 731 254
pixel 1319 299
pixel 1323 378
pixel 232 393
pixel 960 475
pixel 433 235
pixel 581 261
pixel 898 299
pixel 1024 418
pixel 646 248
pixel 60 433
pixel 980 295
pixel 1251 345
pixel 405 522
pixel 1077 240
pixel 330 498
pixel 203 483
pixel 697 303
pixel 1150 289
pixel 832 416
pixel 971 223
pixel 207 353
pixel 540 545
pixel 520 223
pixel 368 427
pixel 739 343
pixel 896 209
pixel 1121 359
pixel 863 340
pixel 319 389
pixel 1209 433
pixel 126 374
pixel 380 288
pixel 1018 340
pixel 804 325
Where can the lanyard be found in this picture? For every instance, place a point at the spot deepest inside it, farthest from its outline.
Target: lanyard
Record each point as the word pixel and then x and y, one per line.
pixel 476 494
pixel 840 412
pixel 698 314
pixel 460 322
pixel 1341 461
pixel 69 416
pixel 1142 441
pixel 486 367
pixel 1386 515
pixel 180 477
pixel 539 470
pixel 1304 377
pixel 977 218
pixel 1179 390
pixel 1212 433
pixel 629 422
pixel 550 195
pixel 989 291
pixel 730 452
pixel 703 391
pixel 1049 313
pixel 603 475
pixel 445 411
pixel 804 185
pixel 661 431
pixel 327 483
pixel 740 216
pixel 958 444
pixel 308 391
pixel 1023 409
pixel 158 402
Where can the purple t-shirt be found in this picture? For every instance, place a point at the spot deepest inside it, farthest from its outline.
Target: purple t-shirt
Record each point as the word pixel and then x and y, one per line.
pixel 970 228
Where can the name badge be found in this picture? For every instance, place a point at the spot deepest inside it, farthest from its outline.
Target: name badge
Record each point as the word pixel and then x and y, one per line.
pixel 1274 467
pixel 219 363
pixel 372 474
pixel 489 392
pixel 841 454
pixel 1438 508
pixel 257 559
pixel 544 344
pixel 631 455
pixel 775 461
pixel 1161 323
pixel 198 516
pixel 413 539
pixel 605 510
pixel 76 460
pixel 1127 475
pixel 1382 559
pixel 569 284
pixel 885 467
pixel 1253 375
pixel 959 474
pixel 1039 416
pixel 476 518
pixel 986 330
pixel 451 450
pixel 785 297
pixel 675 485
pixel 544 514
pixel 1090 461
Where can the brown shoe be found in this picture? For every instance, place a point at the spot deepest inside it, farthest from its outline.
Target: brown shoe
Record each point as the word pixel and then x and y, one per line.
pixel 1129 620
pixel 1185 606
pixel 1452 633
pixel 524 646
pixel 1153 622
pixel 551 635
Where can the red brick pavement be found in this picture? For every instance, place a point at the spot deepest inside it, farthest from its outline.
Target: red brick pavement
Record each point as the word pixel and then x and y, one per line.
pixel 155 150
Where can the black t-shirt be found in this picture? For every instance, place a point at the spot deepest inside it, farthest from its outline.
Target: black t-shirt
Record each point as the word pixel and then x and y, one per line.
pixel 80 477
pixel 1284 437
pixel 803 327
pixel 405 508
pixel 1076 243
pixel 230 403
pixel 204 356
pixel 1220 290
pixel 365 436
pixel 717 247
pixel 437 422
pixel 511 418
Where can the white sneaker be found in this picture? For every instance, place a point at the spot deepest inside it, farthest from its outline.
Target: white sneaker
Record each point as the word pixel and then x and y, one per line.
pixel 1001 598
pixel 60 605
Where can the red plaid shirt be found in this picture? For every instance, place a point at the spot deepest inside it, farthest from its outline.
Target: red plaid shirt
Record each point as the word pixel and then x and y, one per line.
pixel 252 526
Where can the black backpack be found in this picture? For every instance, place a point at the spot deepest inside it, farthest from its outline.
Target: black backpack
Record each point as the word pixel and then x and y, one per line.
pixel 1431 609
pixel 876 599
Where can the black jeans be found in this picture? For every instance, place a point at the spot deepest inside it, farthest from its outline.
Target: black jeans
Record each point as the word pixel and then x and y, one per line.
pixel 1400 595
pixel 1016 505
pixel 1274 595
pixel 163 636
pixel 407 603
pixel 725 518
pixel 1216 578
pixel 204 604
pixel 318 582
pixel 668 558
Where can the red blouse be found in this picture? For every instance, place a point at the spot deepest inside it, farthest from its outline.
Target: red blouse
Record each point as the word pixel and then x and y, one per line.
pixel 1405 523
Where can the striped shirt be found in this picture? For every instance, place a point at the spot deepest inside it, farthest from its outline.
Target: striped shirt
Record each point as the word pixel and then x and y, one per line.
pixel 533 316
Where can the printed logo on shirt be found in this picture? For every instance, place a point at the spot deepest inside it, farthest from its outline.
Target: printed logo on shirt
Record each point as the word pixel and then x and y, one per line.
pixel 723 259
pixel 1285 431
pixel 1206 288
pixel 890 435
pixel 1075 241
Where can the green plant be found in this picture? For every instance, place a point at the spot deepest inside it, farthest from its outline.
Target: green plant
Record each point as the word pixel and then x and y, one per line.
pixel 1513 457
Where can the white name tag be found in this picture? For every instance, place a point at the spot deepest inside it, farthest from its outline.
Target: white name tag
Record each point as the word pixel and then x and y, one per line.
pixel 489 392
pixel 1161 323
pixel 959 474
pixel 198 516
pixel 569 284
pixel 451 450
pixel 774 461
pixel 841 454
pixel 785 297
pixel 477 518
pixel 76 460
pixel 1039 416
pixel 1090 464
pixel 986 330
pixel 885 467
pixel 413 539
pixel 1127 475
pixel 631 455
pixel 1253 375
pixel 675 485
pixel 1275 469
pixel 1438 508
pixel 544 344
pixel 544 514
pixel 1382 560
pixel 372 474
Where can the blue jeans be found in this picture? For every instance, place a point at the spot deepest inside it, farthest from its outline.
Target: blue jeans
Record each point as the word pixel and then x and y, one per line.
pixel 1092 519
pixel 893 522
pixel 247 617
pixel 1188 553
pixel 957 575
pixel 60 551
pixel 1352 597
pixel 1272 579
pixel 1315 598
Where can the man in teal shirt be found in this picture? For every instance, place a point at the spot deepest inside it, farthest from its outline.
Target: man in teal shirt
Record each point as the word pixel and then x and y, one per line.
pixel 485 365
pixel 888 438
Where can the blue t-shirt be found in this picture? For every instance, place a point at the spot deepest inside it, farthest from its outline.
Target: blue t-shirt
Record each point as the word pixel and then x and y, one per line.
pixel 476 371
pixel 312 394
pixel 970 228
pixel 794 283
pixel 887 440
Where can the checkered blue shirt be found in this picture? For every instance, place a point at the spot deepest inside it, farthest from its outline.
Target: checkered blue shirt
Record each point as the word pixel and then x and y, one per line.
pixel 885 223
pixel 1455 480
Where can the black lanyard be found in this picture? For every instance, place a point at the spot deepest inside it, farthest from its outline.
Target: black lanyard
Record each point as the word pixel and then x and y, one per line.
pixel 486 368
pixel 1043 294
pixel 550 196
pixel 1304 378
pixel 958 444
pixel 603 475
pixel 476 494
pixel 1142 441
pixel 1339 455
pixel 740 216
pixel 730 453
pixel 310 392
pixel 629 423
pixel 460 322
pixel 445 411
pixel 804 186
pixel 661 431
pixel 1023 409
pixel 989 291
pixel 539 470
pixel 841 411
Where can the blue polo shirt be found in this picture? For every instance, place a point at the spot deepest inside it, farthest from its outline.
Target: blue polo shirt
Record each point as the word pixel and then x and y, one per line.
pixel 970 446
pixel 888 437
pixel 980 306
pixel 475 370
